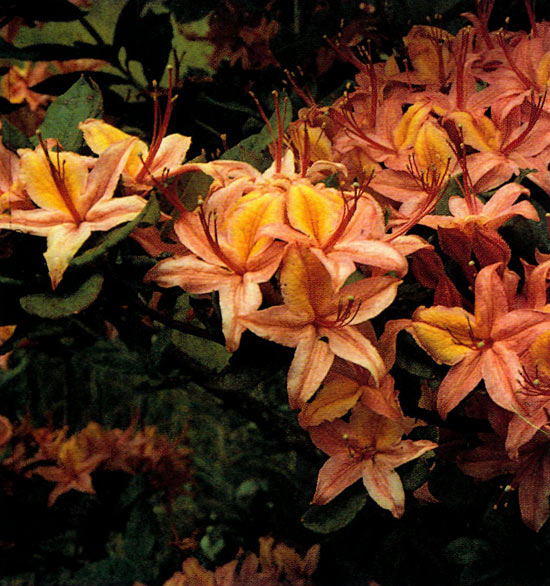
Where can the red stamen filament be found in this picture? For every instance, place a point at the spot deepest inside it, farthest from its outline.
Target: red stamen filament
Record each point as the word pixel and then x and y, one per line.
pixel 431 182
pixel 213 241
pixel 160 125
pixel 506 50
pixel 460 61
pixel 346 312
pixel 534 115
pixel 484 9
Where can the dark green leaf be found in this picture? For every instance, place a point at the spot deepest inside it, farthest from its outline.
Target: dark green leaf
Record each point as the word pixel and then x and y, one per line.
pixel 334 515
pixel 12 137
pixel 138 32
pixel 54 306
pixel 211 355
pixel 466 550
pixel 80 102
pixel 416 473
pixel 148 215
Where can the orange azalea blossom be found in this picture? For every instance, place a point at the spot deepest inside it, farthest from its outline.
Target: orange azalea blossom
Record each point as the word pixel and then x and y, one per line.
pixel 391 138
pixel 145 167
pixel 470 210
pixel 484 346
pixel 507 145
pixel 342 229
pixel 319 321
pixel 370 447
pixel 229 253
pixel 524 67
pixel 71 201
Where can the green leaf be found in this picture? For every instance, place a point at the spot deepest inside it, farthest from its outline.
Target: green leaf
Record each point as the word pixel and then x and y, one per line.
pixel 211 355
pixel 77 104
pixel 53 306
pixel 334 515
pixel 138 32
pixel 416 473
pixel 12 137
pixel 149 215
pixel 466 550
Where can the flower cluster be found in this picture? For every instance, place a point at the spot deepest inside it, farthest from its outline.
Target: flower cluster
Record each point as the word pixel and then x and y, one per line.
pixel 70 461
pixel 415 160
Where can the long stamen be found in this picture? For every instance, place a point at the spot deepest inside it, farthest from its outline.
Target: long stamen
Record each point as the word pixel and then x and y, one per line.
pixel 433 182
pixel 534 115
pixel 160 123
pixel 214 241
pixel 506 50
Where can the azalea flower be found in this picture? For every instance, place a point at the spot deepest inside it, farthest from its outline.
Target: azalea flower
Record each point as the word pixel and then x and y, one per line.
pixel 229 253
pixel 319 321
pixel 369 447
pixel 71 201
pixel 484 346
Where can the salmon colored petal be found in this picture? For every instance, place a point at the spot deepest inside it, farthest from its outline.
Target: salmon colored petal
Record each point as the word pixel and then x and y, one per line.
pixel 36 221
pixel 104 177
pixel 501 369
pixel 110 213
pixel 191 234
pixel 238 297
pixel 384 486
pixel 311 362
pixel 444 332
pixel 336 475
pixel 519 328
pixel 329 437
pixel 314 212
pixel 171 153
pixel 534 490
pixel 349 344
pixel 459 382
pixel 370 296
pixel 491 302
pixel 278 324
pixel 64 242
pixel 190 273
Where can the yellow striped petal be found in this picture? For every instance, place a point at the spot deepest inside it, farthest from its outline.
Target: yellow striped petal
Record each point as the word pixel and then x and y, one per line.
pixel 406 132
pixel 305 283
pixel 314 212
pixel 431 149
pixel 246 220
pixel 39 182
pixel 446 333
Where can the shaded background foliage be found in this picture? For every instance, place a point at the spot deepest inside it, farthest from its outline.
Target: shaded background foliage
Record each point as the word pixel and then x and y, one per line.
pixel 254 469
